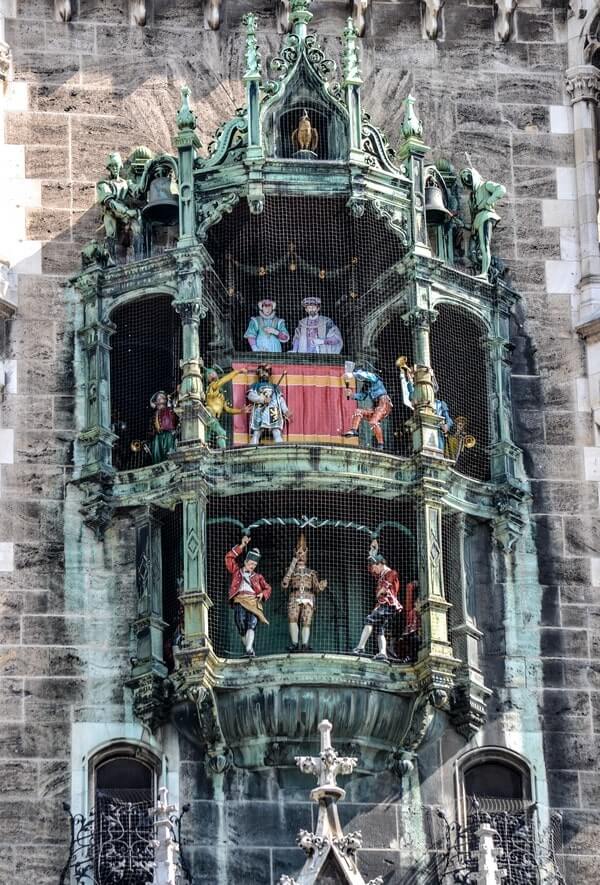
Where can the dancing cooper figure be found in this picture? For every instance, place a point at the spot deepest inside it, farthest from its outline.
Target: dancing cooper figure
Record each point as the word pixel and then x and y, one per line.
pixel 247 592
pixel 374 390
pixel 386 607
pixel 305 585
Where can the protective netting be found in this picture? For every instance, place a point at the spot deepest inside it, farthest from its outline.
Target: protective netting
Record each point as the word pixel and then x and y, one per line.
pixel 461 367
pixel 172 580
pixel 146 350
pixel 337 531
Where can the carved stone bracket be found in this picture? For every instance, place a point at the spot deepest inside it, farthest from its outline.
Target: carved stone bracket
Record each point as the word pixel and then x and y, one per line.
pixel 583 84
pixel 509 524
pixel 152 696
pixel 97 508
pixel 212 14
pixel 62 10
pixel 213 211
pixel 219 756
pixel 431 14
pixel 359 10
pixel 504 11
pixel 469 711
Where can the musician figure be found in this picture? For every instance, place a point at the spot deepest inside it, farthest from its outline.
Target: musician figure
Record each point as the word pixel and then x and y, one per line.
pixel 247 592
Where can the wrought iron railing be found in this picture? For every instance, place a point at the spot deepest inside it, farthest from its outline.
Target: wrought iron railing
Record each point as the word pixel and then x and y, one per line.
pixel 115 845
pixel 526 855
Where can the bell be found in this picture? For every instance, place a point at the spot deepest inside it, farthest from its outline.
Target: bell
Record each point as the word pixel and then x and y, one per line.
pixel 436 211
pixel 163 205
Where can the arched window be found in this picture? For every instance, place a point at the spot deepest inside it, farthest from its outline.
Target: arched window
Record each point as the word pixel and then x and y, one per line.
pixel 495 785
pixel 123 789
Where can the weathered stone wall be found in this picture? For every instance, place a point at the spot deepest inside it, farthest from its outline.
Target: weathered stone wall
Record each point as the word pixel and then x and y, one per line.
pixel 84 88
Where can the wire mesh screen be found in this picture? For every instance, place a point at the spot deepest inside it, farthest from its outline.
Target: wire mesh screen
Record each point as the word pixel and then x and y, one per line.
pixel 336 532
pixel 297 248
pixel 461 367
pixel 172 580
pixel 453 572
pixel 146 349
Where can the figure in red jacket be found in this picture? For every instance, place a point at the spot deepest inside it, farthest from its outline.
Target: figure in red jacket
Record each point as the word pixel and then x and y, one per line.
pixel 247 592
pixel 386 606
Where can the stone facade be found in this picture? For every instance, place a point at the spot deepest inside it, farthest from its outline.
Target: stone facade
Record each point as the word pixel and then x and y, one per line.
pixel 77 90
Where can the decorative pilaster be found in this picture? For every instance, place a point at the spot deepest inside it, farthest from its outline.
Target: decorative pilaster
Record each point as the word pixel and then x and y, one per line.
pixel 426 423
pixel 195 600
pixel 583 87
pixel 352 82
pixel 251 79
pixel 96 438
pixel 187 143
pixel 436 661
pixel 412 153
pixel 505 455
pixel 470 693
pixel 149 626
pixel 191 307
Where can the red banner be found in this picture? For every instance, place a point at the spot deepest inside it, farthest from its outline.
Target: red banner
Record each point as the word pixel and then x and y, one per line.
pixel 315 396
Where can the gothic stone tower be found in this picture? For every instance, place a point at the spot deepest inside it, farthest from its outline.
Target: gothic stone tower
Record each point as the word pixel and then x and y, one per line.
pixel 321 352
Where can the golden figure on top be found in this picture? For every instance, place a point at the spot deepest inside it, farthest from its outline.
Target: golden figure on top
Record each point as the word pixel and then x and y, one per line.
pixel 305 137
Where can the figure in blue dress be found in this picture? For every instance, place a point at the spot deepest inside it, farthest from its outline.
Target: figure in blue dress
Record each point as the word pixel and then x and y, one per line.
pixel 266 332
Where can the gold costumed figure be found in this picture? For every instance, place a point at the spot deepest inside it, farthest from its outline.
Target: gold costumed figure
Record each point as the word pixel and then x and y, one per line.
pixel 305 137
pixel 216 404
pixel 304 584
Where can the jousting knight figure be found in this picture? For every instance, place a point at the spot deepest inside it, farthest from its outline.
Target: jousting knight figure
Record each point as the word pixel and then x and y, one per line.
pixel 386 606
pixel 164 425
pixel 269 408
pixel 266 332
pixel 315 333
pixel 374 389
pixel 247 591
pixel 304 584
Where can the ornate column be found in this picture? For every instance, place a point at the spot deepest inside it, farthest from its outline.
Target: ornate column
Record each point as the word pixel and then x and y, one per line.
pixel 149 669
pixel 191 307
pixel 436 662
pixel 351 83
pixel 187 143
pixel 412 154
pixel 470 694
pixel 505 466
pixel 583 86
pixel 195 600
pixel 254 151
pixel 425 424
pixel 92 366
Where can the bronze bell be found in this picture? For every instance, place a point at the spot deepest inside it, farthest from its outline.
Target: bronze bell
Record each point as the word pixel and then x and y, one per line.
pixel 436 211
pixel 163 205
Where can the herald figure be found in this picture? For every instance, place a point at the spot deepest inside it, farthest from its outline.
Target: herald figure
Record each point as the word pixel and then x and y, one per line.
pixel 386 606
pixel 164 425
pixel 247 591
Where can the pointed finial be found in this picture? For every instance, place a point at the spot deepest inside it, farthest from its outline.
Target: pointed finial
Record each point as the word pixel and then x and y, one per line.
pixel 300 16
pixel 350 57
pixel 325 727
pixel 186 118
pixel 411 125
pixel 252 54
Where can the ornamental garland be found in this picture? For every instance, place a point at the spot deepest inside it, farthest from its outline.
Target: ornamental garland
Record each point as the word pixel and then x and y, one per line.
pixel 313 522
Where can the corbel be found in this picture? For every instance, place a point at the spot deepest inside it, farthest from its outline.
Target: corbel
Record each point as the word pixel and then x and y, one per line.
pixel 359 10
pixel 431 17
pixel 504 11
pixel 137 12
pixel 212 15
pixel 62 10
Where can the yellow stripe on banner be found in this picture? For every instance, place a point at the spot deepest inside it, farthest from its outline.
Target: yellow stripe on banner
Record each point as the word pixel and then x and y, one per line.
pixel 243 439
pixel 298 380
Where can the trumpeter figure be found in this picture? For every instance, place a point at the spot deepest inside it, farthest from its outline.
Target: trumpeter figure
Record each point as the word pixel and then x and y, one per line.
pixel 387 605
pixel 304 584
pixel 247 591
